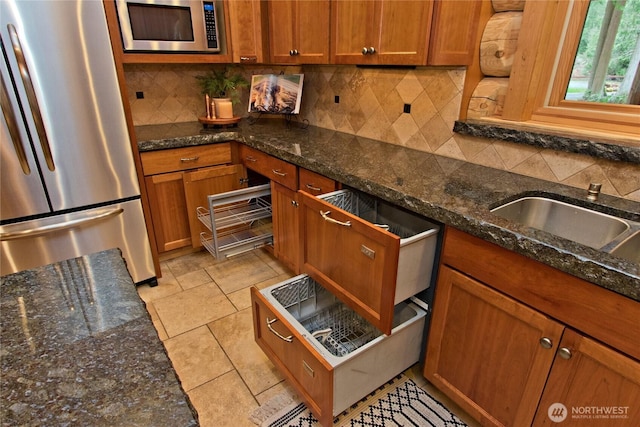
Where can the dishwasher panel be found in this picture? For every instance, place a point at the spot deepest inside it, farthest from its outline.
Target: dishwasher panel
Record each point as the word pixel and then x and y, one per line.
pixel 357 357
pixel 418 237
pixel 369 253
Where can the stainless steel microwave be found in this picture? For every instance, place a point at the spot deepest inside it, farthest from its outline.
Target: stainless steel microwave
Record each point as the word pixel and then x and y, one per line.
pixel 168 25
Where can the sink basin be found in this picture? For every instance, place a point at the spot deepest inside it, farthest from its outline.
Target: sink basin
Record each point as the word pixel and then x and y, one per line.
pixel 629 248
pixel 581 225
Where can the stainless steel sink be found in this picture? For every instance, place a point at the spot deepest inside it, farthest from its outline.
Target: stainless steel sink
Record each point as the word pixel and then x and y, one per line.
pixel 629 248
pixel 581 225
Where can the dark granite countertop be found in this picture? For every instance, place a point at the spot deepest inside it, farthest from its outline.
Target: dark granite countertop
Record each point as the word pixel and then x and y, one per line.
pixel 446 190
pixel 79 348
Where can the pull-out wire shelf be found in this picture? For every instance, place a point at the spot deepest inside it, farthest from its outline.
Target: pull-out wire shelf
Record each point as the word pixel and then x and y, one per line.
pixel 238 221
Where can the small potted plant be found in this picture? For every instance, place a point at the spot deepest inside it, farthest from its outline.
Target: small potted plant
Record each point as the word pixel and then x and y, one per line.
pixel 222 88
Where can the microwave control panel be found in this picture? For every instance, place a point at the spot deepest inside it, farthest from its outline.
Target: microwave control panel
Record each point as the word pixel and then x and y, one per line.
pixel 211 26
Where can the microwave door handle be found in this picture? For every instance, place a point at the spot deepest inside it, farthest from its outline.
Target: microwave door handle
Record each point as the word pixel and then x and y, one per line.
pixel 12 124
pixel 31 96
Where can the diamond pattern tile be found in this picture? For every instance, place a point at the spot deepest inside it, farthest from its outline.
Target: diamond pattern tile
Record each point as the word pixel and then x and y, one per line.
pixel 371 105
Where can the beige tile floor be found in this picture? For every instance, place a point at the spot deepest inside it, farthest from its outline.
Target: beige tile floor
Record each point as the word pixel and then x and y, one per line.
pixel 202 311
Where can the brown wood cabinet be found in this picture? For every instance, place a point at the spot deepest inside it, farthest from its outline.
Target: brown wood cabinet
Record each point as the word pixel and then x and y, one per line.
pixel 596 384
pixel 299 31
pixel 285 179
pixel 178 180
pixel 484 350
pixel 286 235
pixel 314 183
pixel 270 167
pixel 394 32
pixel 453 32
pixel 168 210
pixel 248 22
pixel 285 204
pixel 504 340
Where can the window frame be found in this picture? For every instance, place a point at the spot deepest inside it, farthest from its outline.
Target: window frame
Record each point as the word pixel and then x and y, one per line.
pixel 545 72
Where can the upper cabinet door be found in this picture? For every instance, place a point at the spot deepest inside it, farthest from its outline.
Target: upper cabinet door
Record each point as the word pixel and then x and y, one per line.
pixel 454 32
pixel 299 31
pixel 352 24
pixel 404 32
pixel 393 32
pixel 248 23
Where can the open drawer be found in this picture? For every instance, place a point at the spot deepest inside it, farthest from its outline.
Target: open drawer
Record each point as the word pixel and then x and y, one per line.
pixel 238 221
pixel 332 355
pixel 369 253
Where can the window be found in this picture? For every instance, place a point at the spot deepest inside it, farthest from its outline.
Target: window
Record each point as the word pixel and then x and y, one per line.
pixel 605 67
pixel 547 46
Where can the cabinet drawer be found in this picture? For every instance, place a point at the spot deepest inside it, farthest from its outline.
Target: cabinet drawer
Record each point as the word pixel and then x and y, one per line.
pixel 314 183
pixel 275 169
pixel 334 357
pixel 161 161
pixel 370 253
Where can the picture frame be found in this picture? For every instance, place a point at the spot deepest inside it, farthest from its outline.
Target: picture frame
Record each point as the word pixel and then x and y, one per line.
pixel 276 93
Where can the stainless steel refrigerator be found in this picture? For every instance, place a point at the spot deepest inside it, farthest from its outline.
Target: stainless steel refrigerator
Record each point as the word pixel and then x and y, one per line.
pixel 68 183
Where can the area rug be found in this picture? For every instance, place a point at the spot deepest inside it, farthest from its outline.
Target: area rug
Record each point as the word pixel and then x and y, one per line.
pixel 400 402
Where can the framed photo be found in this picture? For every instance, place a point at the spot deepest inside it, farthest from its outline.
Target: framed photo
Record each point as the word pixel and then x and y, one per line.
pixel 276 94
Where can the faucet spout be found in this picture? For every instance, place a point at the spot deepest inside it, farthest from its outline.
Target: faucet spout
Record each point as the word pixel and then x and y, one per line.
pixel 593 191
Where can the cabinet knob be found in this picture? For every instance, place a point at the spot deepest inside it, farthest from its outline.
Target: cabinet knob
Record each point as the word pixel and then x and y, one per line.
pixel 546 343
pixel 365 50
pixel 294 52
pixel 372 50
pixel 368 50
pixel 294 204
pixel 565 353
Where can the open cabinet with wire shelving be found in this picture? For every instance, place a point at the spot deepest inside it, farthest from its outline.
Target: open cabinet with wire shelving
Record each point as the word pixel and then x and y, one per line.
pixel 237 221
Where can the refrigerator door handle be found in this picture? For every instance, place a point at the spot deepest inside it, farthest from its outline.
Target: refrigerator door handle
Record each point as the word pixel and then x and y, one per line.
pixel 12 125
pixel 38 231
pixel 31 96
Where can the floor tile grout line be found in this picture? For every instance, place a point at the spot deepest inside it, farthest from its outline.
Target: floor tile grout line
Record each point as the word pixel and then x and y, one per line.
pixel 235 368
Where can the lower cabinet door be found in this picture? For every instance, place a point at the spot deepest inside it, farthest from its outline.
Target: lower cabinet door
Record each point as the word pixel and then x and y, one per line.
pixel 199 184
pixel 590 384
pixel 286 233
pixel 487 352
pixel 168 210
pixel 329 353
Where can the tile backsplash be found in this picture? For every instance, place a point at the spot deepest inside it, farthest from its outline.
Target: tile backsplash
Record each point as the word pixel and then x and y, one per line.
pixel 371 102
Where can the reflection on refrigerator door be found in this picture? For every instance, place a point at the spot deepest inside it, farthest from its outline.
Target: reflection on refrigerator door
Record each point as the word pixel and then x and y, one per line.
pixel 29 244
pixel 66 153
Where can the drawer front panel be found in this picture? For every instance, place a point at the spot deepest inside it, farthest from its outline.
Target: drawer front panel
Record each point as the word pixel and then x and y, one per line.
pixel 161 161
pixel 275 169
pixel 357 262
pixel 304 367
pixel 314 183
